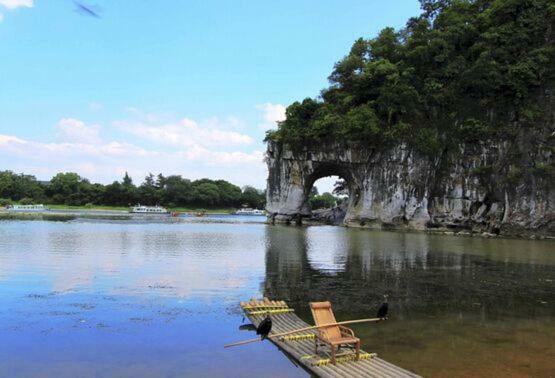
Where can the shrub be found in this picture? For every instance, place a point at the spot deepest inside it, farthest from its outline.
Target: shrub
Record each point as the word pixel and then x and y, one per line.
pixel 26 201
pixel 5 202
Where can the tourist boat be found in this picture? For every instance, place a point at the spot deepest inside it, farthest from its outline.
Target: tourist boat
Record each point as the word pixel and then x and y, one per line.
pixel 148 210
pixel 27 208
pixel 249 211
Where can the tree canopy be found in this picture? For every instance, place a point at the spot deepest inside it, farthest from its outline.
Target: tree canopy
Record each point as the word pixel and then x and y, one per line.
pixel 322 201
pixel 174 191
pixel 463 71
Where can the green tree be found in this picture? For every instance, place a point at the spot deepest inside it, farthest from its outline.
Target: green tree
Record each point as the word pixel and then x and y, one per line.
pixel 230 195
pixel 160 181
pixel 17 186
pixel 206 193
pixel 252 197
pixel 115 194
pixel 149 193
pixel 324 201
pixel 66 188
pixel 177 191
pixel 127 181
pixel 129 193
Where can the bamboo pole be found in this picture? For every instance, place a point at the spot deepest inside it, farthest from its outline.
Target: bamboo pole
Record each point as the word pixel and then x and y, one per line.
pixel 303 329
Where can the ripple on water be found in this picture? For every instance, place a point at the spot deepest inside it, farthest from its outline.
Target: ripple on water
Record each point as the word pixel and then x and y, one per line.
pixel 107 296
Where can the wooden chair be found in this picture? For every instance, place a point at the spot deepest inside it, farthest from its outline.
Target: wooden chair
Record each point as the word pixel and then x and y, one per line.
pixel 334 336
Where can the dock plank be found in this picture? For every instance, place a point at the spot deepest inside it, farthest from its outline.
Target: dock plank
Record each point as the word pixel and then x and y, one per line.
pixel 303 350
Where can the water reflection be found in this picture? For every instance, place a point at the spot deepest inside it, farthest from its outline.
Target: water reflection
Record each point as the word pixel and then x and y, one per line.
pixel 459 307
pixel 154 299
pixel 423 275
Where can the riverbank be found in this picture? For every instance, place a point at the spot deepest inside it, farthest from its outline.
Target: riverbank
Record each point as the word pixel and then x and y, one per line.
pixel 66 213
pixel 126 209
pixel 70 214
pixel 336 217
pixel 517 234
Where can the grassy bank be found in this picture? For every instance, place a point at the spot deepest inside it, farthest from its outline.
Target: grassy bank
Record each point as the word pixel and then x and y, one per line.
pixel 125 208
pixel 36 216
pixel 94 207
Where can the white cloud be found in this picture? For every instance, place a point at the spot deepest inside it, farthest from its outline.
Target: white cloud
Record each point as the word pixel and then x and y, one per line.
pixel 74 130
pixel 213 148
pixel 271 113
pixel 7 139
pixel 186 133
pixel 229 123
pixel 220 158
pixel 107 161
pixel 13 4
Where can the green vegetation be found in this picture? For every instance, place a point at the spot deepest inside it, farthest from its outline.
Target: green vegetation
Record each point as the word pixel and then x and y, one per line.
pixel 463 71
pixel 323 201
pixel 70 189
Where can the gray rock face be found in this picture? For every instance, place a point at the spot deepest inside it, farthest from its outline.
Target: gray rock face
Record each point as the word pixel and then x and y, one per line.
pixel 334 216
pixel 478 191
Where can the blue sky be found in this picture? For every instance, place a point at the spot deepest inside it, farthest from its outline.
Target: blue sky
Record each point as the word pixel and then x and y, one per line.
pixel 178 87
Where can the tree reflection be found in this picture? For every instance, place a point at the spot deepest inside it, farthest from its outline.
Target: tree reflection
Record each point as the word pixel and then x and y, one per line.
pixel 425 276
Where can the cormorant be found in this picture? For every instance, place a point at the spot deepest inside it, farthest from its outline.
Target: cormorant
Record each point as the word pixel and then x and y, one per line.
pixel 264 327
pixel 382 311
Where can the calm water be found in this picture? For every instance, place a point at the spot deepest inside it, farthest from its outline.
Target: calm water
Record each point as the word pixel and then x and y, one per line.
pixel 151 299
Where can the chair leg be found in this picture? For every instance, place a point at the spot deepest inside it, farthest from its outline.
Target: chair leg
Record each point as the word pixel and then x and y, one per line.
pixel 315 345
pixel 332 355
pixel 357 350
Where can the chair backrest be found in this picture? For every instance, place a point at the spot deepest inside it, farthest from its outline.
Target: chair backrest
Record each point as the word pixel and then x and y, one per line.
pixel 323 314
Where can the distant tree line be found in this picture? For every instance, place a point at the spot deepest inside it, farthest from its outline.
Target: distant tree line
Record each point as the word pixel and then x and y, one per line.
pixel 173 191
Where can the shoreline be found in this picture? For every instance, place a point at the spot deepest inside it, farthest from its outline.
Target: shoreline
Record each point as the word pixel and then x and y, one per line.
pixel 125 209
pixel 101 212
pixel 62 215
pixel 66 215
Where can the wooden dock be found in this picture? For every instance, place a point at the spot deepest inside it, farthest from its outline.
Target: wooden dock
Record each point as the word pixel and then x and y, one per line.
pixel 301 346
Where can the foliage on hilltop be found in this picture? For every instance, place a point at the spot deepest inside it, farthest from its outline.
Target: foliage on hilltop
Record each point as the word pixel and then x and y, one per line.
pixel 463 71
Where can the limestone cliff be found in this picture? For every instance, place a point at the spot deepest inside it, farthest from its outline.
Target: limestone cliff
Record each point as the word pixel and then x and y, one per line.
pixel 480 188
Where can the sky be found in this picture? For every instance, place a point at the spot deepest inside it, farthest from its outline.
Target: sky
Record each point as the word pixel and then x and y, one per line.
pixel 172 87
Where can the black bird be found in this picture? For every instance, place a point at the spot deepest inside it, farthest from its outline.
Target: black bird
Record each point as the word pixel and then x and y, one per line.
pixel 85 10
pixel 382 311
pixel 264 327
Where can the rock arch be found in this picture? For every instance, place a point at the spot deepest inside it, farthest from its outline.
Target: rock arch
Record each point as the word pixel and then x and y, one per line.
pixel 399 189
pixel 326 169
pixel 292 174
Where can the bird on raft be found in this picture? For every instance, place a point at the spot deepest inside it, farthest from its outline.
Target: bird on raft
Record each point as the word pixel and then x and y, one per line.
pixel 382 311
pixel 264 327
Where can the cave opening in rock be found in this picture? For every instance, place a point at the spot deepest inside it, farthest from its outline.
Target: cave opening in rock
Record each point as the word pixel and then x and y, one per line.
pixel 327 199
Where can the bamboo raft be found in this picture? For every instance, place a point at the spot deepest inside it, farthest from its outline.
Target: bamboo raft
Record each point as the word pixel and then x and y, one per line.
pixel 301 346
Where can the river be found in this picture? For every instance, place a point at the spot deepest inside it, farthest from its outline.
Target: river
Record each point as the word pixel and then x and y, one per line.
pixel 117 298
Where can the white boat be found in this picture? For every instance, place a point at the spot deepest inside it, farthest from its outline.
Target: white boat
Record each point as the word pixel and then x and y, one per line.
pixel 27 208
pixel 249 211
pixel 148 210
